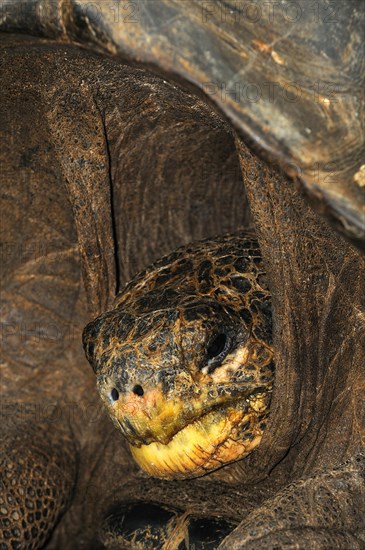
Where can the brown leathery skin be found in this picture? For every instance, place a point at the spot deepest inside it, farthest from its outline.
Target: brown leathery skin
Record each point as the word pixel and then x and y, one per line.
pixel 315 278
pixel 152 356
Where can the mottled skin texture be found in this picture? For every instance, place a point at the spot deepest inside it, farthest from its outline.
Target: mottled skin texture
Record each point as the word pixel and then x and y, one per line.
pixel 35 487
pixel 189 335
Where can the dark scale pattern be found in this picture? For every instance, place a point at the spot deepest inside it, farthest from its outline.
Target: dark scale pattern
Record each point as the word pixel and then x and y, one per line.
pixel 35 489
pixel 230 266
pixel 158 338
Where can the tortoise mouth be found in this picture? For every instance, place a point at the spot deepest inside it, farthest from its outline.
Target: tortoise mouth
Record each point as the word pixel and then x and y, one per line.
pixel 222 435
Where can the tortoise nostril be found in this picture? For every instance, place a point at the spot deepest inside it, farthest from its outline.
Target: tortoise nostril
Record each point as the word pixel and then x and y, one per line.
pixel 114 394
pixel 138 390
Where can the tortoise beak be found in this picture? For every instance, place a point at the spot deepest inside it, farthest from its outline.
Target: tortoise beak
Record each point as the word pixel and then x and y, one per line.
pixel 181 437
pixel 207 443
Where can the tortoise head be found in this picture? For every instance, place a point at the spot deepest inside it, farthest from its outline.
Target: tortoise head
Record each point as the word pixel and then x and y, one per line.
pixel 188 385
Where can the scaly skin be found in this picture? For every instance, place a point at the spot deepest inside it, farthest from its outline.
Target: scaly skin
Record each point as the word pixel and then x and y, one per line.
pixel 184 361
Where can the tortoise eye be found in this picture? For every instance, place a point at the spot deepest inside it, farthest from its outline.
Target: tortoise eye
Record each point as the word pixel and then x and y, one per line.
pixel 217 345
pixel 114 394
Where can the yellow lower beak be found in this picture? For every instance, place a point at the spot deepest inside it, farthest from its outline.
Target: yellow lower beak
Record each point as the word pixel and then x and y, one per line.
pixel 204 445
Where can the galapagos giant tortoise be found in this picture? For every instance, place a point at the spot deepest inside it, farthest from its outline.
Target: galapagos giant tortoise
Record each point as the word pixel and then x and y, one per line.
pixel 129 129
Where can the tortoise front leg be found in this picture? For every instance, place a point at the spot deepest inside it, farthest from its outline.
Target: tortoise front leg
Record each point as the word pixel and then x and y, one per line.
pixel 40 380
pixel 319 512
pixel 37 475
pixel 38 453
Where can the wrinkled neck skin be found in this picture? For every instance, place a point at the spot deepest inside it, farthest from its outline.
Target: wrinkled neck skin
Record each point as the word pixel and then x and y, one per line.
pixel 316 279
pixel 316 289
pixel 317 284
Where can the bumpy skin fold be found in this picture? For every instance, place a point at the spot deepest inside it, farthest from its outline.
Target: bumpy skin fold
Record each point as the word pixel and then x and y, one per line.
pixel 271 69
pixel 320 511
